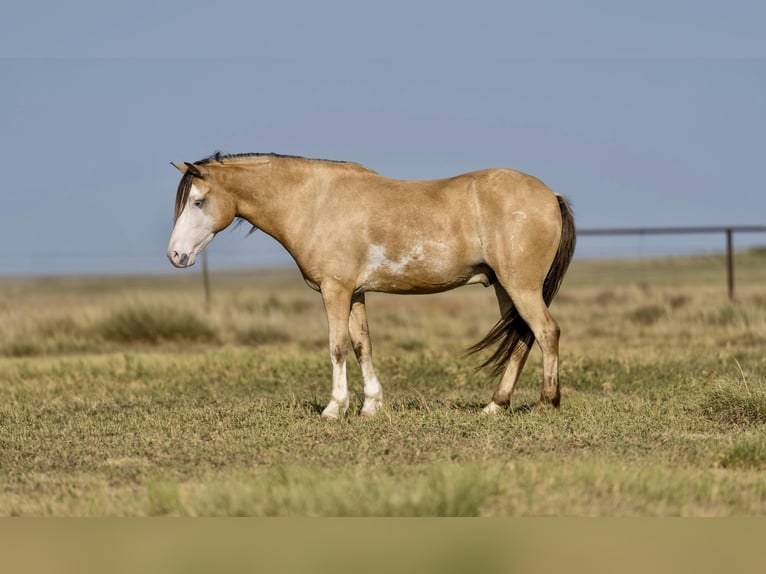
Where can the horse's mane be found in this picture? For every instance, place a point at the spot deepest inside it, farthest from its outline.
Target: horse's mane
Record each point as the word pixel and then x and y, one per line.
pixel 219 157
pixel 182 195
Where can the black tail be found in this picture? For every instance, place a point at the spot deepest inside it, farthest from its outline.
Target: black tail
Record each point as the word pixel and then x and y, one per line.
pixel 511 329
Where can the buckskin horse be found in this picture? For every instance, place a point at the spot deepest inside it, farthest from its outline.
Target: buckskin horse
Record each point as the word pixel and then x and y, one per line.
pixel 351 231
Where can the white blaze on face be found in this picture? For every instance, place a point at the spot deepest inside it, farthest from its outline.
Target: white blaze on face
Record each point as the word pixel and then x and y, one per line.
pixel 192 232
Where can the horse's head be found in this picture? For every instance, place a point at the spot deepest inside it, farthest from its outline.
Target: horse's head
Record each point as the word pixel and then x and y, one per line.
pixel 203 208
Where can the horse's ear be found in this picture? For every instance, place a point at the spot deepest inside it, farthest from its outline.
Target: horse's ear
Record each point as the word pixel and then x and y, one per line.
pixel 195 170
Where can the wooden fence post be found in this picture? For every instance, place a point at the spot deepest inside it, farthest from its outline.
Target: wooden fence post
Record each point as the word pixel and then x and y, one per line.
pixel 206 280
pixel 730 262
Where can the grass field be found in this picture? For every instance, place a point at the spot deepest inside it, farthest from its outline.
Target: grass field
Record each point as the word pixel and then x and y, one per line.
pixel 125 396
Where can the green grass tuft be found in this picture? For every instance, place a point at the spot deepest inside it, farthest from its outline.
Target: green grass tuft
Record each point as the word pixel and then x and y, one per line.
pixel 263 335
pixel 48 336
pixel 164 498
pixel 746 454
pixel 22 348
pixel 154 324
pixel 737 404
pixel 647 315
pixel 727 316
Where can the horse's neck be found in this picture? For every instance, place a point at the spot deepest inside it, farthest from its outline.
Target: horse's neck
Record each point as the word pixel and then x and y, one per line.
pixel 278 202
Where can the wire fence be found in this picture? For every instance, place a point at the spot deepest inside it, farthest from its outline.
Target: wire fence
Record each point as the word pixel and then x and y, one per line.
pixel 727 232
pixel 229 254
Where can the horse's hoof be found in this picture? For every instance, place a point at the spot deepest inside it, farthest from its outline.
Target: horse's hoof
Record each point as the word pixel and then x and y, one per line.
pixel 332 411
pixel 545 404
pixel 371 407
pixel 492 408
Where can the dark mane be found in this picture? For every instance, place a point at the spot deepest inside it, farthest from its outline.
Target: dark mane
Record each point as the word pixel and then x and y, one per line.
pixel 182 195
pixel 219 157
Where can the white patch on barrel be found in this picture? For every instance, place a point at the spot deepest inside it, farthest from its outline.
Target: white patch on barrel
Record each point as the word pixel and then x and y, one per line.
pixel 379 262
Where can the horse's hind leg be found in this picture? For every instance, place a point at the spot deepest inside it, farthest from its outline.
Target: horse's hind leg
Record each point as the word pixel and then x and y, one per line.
pixel 534 311
pixel 360 339
pixel 502 396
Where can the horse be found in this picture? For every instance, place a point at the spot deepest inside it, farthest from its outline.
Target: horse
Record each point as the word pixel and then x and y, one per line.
pixel 352 231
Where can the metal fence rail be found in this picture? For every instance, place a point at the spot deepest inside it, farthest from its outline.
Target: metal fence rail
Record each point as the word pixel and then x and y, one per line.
pixel 728 232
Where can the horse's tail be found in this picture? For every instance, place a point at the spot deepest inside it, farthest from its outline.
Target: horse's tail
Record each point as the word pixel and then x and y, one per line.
pixel 511 329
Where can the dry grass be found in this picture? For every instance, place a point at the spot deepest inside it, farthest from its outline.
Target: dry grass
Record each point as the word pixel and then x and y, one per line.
pixel 125 396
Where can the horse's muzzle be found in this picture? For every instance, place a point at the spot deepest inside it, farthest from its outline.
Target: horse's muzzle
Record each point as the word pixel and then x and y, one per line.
pixel 179 259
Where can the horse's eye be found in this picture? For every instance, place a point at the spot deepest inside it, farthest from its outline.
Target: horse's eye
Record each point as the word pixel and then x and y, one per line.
pixel 198 202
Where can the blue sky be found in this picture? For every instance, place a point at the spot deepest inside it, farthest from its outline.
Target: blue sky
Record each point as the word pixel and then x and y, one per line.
pixel 643 115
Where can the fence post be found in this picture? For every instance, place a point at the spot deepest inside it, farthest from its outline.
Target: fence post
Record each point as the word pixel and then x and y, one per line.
pixel 206 280
pixel 730 262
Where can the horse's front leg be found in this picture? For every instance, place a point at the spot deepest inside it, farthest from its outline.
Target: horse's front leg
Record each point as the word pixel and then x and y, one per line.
pixel 337 303
pixel 360 338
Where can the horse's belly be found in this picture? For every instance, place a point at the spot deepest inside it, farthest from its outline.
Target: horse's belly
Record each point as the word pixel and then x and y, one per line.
pixel 405 285
pixel 420 270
